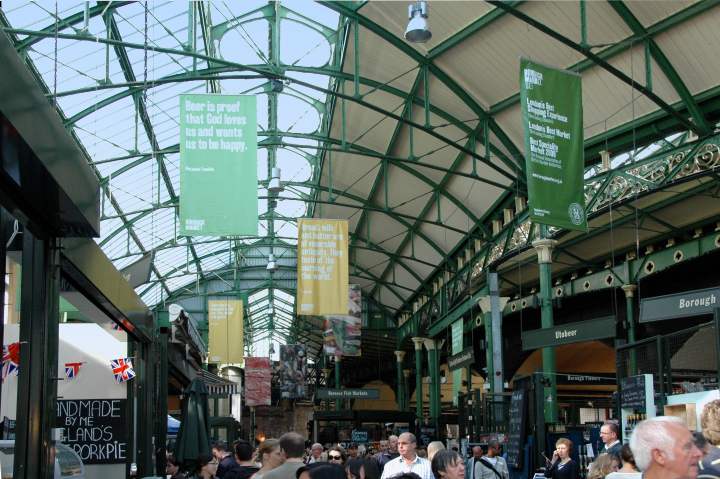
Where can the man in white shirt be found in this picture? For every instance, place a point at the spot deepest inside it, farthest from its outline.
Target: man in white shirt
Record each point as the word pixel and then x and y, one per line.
pixel 408 461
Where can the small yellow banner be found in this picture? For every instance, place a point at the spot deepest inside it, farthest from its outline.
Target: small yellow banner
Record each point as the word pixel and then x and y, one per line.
pixel 322 285
pixel 225 322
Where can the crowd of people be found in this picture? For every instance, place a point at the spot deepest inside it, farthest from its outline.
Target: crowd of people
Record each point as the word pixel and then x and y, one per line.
pixel 287 458
pixel 659 448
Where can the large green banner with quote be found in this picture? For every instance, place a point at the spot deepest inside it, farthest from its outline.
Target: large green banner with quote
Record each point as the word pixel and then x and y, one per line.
pixel 552 119
pixel 218 165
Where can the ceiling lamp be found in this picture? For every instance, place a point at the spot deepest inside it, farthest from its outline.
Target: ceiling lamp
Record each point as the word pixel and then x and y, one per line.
pixel 275 187
pixel 272 265
pixel 417 30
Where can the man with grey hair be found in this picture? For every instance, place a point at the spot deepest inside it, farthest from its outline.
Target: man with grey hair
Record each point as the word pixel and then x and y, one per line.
pixel 664 449
pixel 316 454
pixel 408 461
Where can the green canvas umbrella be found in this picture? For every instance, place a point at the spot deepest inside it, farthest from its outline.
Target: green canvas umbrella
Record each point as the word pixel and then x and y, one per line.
pixel 194 436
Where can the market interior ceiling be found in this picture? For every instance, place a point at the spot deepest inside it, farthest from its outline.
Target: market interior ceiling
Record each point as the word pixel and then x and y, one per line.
pixel 418 145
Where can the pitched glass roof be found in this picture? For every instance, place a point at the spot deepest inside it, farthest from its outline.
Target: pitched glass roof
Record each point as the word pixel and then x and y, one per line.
pixel 418 146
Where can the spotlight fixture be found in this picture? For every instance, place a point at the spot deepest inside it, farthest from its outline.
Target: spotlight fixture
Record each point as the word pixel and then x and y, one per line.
pixel 417 30
pixel 275 187
pixel 272 264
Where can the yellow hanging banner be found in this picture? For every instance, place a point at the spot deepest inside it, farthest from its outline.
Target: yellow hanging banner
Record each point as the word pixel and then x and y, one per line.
pixel 225 323
pixel 322 284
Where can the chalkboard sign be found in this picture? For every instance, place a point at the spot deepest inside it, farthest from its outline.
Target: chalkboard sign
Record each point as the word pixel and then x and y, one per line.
pixel 95 429
pixel 516 430
pixel 632 392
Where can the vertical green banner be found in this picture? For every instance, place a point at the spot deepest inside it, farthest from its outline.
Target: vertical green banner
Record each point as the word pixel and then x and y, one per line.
pixel 218 165
pixel 552 119
pixel 457 347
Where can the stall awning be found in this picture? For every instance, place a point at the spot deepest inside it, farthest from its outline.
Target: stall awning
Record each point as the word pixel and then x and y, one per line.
pixel 216 385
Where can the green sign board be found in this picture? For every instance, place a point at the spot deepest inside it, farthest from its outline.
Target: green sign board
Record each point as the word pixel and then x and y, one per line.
pixel 325 393
pixel 218 165
pixel 552 116
pixel 593 329
pixel 680 305
pixel 457 347
pixel 461 360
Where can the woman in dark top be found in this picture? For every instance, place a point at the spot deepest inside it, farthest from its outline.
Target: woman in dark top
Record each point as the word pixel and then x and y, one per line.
pixel 561 466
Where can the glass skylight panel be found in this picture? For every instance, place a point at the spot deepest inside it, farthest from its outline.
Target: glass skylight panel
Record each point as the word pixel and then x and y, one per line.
pixel 179 281
pixel 124 261
pixel 314 50
pixel 169 259
pixel 247 44
pixel 297 115
pixel 156 228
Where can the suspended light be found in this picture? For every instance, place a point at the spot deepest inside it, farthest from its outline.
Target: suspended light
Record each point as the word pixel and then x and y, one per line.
pixel 275 187
pixel 272 264
pixel 272 349
pixel 417 30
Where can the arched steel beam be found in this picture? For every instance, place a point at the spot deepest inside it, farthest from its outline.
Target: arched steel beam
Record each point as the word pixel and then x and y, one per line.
pixel 199 259
pixel 404 47
pixel 638 29
pixel 585 50
pixel 275 75
pixel 209 74
pixel 389 286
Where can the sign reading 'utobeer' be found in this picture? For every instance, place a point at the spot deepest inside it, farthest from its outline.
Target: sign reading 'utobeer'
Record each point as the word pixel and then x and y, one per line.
pixel 551 103
pixel 322 288
pixel 218 165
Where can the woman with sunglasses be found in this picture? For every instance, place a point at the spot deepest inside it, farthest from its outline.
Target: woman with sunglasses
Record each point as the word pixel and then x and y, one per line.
pixel 336 455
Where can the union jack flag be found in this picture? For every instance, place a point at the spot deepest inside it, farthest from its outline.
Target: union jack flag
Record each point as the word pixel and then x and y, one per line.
pixel 122 368
pixel 72 370
pixel 11 360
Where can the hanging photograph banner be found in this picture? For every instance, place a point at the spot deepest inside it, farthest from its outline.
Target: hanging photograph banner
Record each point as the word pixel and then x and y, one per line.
pixel 552 117
pixel 291 370
pixel 457 347
pixel 257 381
pixel 225 323
pixel 218 165
pixel 322 267
pixel 342 334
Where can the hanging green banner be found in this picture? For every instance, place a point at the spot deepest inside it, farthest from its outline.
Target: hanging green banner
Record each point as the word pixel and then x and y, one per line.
pixel 552 119
pixel 457 347
pixel 218 165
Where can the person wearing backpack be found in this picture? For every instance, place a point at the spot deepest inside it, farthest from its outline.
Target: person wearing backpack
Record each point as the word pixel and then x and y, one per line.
pixel 492 465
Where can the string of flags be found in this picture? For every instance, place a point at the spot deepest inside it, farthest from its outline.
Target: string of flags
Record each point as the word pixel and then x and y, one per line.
pixel 122 368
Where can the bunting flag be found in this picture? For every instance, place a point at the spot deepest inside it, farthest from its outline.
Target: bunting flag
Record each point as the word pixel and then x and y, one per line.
pixel 122 368
pixel 72 370
pixel 11 360
pixel 115 326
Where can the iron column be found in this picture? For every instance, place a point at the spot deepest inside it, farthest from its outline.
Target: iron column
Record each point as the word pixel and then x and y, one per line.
pixel 399 356
pixel 544 247
pixel 629 290
pixel 418 342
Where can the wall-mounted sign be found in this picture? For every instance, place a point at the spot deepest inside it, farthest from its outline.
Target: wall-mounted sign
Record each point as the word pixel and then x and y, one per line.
pixel 325 393
pixel 594 379
pixel 680 305
pixel 569 333
pixel 358 435
pixel 461 360
pixel 95 429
